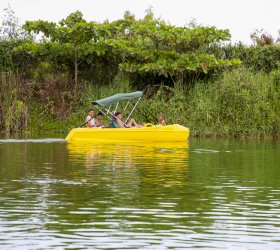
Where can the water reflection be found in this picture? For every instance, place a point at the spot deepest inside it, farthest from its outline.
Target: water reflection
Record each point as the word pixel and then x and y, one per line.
pixel 221 195
pixel 125 168
pixel 128 154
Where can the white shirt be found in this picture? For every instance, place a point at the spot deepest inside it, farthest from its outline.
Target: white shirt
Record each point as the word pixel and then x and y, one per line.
pixel 90 122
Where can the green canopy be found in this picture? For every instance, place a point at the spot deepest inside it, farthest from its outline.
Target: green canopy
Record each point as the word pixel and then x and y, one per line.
pixel 107 101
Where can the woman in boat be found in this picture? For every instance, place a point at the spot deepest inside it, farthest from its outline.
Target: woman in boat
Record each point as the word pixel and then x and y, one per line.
pixel 90 121
pixel 117 122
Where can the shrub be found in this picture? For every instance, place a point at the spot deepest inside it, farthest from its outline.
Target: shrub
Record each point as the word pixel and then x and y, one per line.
pixel 265 58
pixel 13 111
pixel 275 76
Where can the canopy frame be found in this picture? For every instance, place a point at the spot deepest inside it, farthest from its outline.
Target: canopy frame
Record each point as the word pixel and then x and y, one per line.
pixel 112 102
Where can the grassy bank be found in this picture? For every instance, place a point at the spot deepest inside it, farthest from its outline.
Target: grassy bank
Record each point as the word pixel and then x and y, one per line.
pixel 239 103
pixel 236 103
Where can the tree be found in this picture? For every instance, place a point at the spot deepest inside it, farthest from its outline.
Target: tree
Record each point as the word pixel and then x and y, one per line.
pixel 72 37
pixel 10 29
pixel 261 38
pixel 148 47
pixel 152 47
pixel 11 36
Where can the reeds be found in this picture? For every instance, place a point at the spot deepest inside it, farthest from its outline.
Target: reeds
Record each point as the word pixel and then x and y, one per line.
pixel 13 112
pixel 239 103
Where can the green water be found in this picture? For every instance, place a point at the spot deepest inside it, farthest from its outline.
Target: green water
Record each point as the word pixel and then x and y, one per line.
pixel 209 194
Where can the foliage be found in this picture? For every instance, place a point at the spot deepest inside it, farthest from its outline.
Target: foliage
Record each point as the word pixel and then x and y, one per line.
pixel 16 117
pixel 150 47
pixel 42 119
pixel 54 94
pixel 6 51
pixel 11 36
pixel 275 77
pixel 258 58
pixel 11 59
pixel 72 39
pixel 142 47
pixel 187 73
pixel 240 103
pixel 13 112
pixel 11 29
pixel 261 38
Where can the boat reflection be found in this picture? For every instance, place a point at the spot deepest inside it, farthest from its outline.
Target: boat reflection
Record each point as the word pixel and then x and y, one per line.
pixel 100 154
pixel 128 174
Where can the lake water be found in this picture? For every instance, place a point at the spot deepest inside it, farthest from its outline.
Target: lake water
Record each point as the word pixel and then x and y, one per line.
pixel 207 194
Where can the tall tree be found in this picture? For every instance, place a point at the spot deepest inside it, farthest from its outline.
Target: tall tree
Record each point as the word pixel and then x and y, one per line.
pixel 10 29
pixel 150 46
pixel 71 37
pixel 145 47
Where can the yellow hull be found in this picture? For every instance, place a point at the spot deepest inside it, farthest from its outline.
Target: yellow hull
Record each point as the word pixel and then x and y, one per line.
pixel 169 133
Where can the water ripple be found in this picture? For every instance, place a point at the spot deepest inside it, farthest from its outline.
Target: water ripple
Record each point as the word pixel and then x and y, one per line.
pixel 44 140
pixel 55 196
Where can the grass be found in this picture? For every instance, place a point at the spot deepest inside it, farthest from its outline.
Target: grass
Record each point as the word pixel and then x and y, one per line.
pixel 240 103
pixel 237 103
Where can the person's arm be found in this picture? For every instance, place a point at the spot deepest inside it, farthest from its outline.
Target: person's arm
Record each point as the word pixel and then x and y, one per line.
pixel 97 123
pixel 87 121
pixel 120 124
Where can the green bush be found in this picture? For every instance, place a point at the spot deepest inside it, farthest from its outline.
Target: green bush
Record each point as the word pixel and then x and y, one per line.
pixel 239 103
pixel 275 76
pixel 265 58
pixel 13 111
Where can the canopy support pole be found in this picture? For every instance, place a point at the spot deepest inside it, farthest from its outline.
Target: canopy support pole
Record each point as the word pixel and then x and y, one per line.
pixel 126 106
pixel 133 109
pixel 116 107
pixel 108 111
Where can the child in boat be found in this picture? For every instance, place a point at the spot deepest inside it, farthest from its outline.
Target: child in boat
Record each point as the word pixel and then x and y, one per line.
pixel 90 121
pixel 161 119
pixel 117 123
pixel 98 120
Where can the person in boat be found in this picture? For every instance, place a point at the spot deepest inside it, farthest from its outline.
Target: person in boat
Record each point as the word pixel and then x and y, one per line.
pixel 90 121
pixel 117 123
pixel 161 119
pixel 98 120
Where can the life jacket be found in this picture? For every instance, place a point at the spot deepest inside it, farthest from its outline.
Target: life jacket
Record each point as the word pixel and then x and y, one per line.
pixel 113 124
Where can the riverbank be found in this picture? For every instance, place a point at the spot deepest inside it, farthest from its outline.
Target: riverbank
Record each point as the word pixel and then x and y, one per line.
pixel 237 103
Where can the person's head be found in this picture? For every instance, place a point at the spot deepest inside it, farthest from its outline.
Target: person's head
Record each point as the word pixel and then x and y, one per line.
pixel 118 115
pixel 161 117
pixel 91 112
pixel 100 116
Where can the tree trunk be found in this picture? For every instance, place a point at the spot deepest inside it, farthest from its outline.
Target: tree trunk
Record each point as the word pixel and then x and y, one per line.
pixel 76 67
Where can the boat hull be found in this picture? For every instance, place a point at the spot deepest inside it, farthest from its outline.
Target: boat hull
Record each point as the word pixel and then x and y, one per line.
pixel 169 133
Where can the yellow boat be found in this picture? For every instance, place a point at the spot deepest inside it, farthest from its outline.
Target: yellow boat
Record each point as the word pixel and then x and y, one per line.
pixel 169 133
pixel 154 133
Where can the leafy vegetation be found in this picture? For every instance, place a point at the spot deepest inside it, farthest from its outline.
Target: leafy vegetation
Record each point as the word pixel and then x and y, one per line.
pixel 257 58
pixel 13 111
pixel 145 47
pixel 154 51
pixel 187 73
